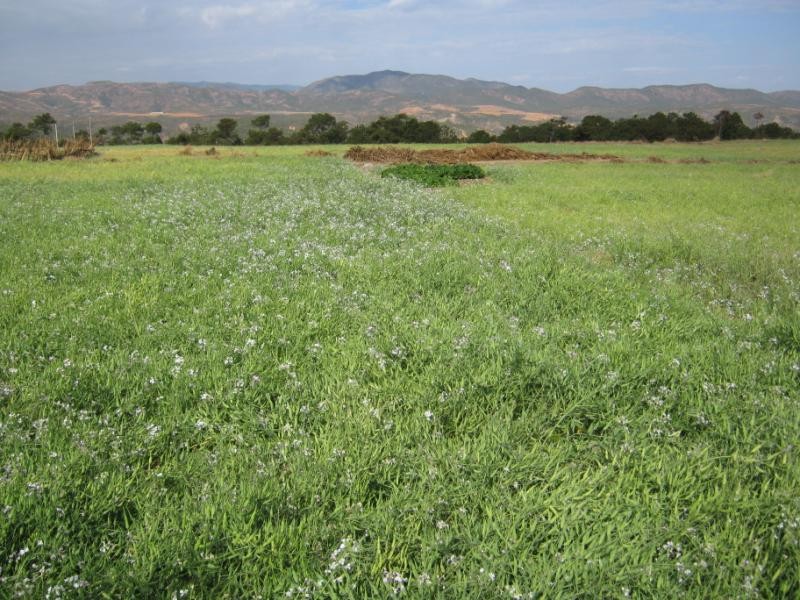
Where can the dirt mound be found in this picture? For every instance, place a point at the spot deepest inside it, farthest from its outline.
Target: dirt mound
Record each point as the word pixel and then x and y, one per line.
pixel 480 153
pixel 381 154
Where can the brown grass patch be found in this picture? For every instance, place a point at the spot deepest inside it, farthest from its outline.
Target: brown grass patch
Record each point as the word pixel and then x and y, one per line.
pixel 477 153
pixel 319 153
pixel 694 161
pixel 186 151
pixel 45 149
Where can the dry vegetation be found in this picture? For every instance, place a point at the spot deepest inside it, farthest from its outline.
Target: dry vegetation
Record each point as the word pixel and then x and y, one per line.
pixel 319 153
pixel 480 153
pixel 45 149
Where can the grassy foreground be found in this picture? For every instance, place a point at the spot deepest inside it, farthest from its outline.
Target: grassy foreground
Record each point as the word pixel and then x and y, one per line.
pixel 265 375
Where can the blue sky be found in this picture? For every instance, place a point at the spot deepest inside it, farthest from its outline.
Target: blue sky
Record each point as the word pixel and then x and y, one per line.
pixel 549 44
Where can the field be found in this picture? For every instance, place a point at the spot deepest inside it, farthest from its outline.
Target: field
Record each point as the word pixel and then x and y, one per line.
pixel 262 374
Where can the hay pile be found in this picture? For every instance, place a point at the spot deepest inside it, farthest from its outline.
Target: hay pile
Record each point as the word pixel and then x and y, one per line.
pixel 480 153
pixel 45 149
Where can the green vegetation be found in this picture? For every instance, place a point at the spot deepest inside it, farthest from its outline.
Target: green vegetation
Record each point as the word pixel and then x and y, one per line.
pixel 40 125
pixel 434 175
pixel 261 374
pixel 402 129
pixel 132 132
pixel 224 134
pixel 688 127
pixel 324 128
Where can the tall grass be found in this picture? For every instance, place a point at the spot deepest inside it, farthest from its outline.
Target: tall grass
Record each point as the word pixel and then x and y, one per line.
pixel 44 149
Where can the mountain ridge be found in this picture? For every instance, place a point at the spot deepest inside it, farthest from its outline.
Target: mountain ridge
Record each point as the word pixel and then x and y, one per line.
pixel 464 103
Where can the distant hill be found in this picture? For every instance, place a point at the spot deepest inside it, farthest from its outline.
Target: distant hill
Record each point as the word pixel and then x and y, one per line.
pixel 464 103
pixel 241 86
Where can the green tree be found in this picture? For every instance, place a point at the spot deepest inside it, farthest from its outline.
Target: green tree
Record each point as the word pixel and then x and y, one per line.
pixel 658 127
pixel 323 128
pixel 152 131
pixel 43 123
pixel 402 128
pixel 225 133
pixel 594 128
pixel 359 135
pixel 16 132
pixel 774 131
pixel 270 137
pixel 692 128
pixel 261 121
pixel 729 126
pixel 263 134
pixel 479 137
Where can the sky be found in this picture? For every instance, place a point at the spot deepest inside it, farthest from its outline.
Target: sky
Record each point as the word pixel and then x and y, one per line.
pixel 555 45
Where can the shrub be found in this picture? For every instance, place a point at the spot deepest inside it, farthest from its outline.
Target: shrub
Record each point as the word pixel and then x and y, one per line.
pixel 435 175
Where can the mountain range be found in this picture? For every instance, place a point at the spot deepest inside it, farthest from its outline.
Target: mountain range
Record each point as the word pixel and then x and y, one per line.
pixel 466 104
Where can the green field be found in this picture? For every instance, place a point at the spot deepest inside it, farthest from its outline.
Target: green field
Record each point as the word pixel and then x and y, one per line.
pixel 262 374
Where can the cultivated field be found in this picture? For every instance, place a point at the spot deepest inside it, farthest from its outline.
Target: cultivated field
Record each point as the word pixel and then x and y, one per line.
pixel 262 374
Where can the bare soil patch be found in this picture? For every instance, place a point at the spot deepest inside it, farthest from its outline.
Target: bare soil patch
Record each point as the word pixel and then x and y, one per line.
pixel 499 111
pixel 482 153
pixel 694 161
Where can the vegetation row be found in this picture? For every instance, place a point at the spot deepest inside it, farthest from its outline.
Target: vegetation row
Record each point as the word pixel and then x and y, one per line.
pixel 324 128
pixel 435 175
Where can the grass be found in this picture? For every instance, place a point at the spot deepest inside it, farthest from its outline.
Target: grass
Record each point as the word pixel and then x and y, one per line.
pixel 267 375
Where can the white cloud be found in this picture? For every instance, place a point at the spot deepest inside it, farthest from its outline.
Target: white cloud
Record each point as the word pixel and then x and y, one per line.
pixel 215 15
pixel 263 12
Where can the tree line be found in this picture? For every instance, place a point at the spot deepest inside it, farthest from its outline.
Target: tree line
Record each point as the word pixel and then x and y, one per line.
pixel 686 127
pixel 324 128
pixel 321 128
pixel 43 125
